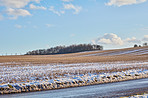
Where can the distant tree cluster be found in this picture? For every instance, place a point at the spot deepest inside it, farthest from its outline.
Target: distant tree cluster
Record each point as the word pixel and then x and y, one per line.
pixel 144 44
pixel 65 49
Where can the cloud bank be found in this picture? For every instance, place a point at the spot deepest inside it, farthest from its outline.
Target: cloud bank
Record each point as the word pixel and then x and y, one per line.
pixel 17 12
pixel 34 7
pixel 109 38
pixel 16 8
pixel 16 3
pixel 113 39
pixel 132 40
pixel 77 9
pixel 124 2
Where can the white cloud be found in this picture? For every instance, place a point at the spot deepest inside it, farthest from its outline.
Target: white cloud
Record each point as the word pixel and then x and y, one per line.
pixel 132 40
pixel 124 2
pixel 16 8
pixel 145 38
pixel 109 38
pixel 16 3
pixel 17 12
pixel 67 0
pixel 34 7
pixel 18 26
pixel 77 9
pixel 52 9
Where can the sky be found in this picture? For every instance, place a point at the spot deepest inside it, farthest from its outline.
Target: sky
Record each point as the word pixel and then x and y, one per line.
pixel 27 25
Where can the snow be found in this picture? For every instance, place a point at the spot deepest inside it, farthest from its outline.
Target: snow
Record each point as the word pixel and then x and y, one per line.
pixel 139 96
pixel 45 72
pixel 89 77
pixel 22 76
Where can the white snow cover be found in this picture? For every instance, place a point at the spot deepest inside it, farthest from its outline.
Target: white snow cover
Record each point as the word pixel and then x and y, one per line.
pixel 51 73
pixel 43 72
pixel 139 96
pixel 89 77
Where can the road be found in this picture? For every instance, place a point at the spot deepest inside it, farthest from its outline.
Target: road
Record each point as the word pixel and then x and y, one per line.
pixel 102 90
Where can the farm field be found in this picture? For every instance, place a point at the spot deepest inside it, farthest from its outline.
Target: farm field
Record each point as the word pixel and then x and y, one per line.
pixel 127 54
pixel 73 49
pixel 43 72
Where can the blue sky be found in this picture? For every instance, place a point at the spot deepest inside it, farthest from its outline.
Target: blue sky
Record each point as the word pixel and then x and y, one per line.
pixel 39 24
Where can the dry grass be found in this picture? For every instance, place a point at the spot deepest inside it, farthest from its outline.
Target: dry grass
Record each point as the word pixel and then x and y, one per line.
pixel 29 68
pixel 74 58
pixel 67 60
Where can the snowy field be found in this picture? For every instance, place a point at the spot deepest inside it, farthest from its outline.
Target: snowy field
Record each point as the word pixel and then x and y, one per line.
pixel 68 75
pixel 35 73
pixel 23 73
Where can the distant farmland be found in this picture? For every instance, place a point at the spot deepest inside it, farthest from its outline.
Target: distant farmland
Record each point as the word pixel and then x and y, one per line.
pixel 127 54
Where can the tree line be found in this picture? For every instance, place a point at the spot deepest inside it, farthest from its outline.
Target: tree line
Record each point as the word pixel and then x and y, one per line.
pixel 144 44
pixel 65 49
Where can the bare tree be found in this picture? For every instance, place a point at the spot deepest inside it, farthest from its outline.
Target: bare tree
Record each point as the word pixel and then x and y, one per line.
pixel 145 44
pixel 64 49
pixel 135 45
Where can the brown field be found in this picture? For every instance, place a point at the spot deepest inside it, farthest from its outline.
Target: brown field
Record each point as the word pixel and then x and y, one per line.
pixel 79 57
pixel 27 68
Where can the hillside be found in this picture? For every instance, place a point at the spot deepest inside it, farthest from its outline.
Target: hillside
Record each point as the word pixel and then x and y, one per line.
pixel 65 49
pixel 127 54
